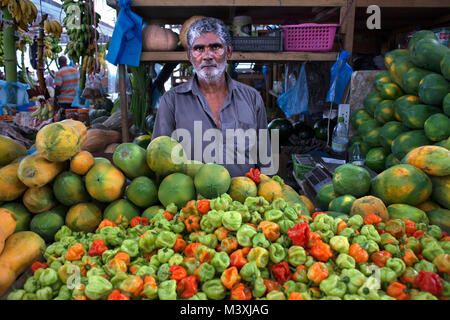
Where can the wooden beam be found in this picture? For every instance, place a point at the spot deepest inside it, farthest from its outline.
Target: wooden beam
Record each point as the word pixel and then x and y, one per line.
pixel 325 14
pixel 247 56
pixel 347 22
pixel 405 4
pixel 238 3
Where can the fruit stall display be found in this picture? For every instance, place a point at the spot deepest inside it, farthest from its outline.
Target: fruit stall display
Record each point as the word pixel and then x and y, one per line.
pixel 409 106
pixel 149 226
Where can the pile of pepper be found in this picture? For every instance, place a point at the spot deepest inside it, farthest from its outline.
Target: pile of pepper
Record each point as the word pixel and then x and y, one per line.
pixel 222 249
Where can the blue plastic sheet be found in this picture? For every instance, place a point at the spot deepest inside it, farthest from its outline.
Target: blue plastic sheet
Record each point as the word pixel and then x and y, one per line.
pixel 341 72
pixel 13 93
pixel 80 102
pixel 295 100
pixel 126 42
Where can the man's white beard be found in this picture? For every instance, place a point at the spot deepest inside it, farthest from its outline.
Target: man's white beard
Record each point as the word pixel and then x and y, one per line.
pixel 214 75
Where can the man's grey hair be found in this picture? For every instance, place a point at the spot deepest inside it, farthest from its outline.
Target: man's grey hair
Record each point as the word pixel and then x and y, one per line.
pixel 205 25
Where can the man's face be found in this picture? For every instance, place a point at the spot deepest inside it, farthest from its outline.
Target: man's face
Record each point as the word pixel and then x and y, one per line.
pixel 209 56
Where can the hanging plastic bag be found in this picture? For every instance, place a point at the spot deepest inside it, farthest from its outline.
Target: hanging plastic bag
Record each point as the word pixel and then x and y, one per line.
pixel 295 100
pixel 93 88
pixel 13 93
pixel 80 102
pixel 341 72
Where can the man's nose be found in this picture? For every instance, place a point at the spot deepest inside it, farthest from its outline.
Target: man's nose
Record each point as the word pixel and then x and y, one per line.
pixel 207 53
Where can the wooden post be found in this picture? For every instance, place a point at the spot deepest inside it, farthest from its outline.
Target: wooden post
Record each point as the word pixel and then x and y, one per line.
pixel 123 102
pixel 347 22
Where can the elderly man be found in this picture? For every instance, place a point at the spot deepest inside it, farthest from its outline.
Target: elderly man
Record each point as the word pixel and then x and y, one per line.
pixel 215 118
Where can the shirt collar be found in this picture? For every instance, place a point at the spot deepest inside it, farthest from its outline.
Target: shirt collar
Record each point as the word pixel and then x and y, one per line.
pixel 192 85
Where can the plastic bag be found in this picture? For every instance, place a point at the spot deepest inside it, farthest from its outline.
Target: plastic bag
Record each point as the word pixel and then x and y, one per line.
pixel 295 100
pixel 341 72
pixel 80 102
pixel 93 88
pixel 13 93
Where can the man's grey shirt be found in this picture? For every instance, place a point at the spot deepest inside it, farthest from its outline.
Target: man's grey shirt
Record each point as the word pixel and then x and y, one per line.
pixel 243 109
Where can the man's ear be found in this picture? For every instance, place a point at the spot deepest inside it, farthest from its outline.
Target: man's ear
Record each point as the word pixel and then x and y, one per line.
pixel 229 51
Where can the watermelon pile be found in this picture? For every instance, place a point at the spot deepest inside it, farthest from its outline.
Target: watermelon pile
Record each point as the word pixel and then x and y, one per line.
pixel 409 106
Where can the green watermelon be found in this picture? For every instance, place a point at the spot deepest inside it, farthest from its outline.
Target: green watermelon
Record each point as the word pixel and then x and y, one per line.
pixel 419 35
pixel 380 79
pixel 342 204
pixel 325 195
pixel 407 141
pixel 376 158
pixel 321 128
pixel 437 127
pixel 371 101
pixel 389 132
pixel 446 104
pixel 303 131
pixel 428 53
pixel 415 116
pixel 384 112
pixel 358 117
pixel 403 103
pixel 445 66
pixel 411 79
pixel 391 161
pixel 284 126
pixel 433 88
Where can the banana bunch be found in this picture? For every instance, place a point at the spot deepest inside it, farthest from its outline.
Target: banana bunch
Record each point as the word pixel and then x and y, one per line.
pixel 53 27
pixel 22 43
pixel 80 28
pixel 44 110
pixel 52 47
pixel 89 64
pixel 24 12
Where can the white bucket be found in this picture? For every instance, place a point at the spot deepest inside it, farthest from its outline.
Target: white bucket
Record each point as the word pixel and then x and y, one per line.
pixel 242 26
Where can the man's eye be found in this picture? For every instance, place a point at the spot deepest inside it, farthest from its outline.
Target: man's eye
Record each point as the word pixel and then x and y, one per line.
pixel 198 49
pixel 216 47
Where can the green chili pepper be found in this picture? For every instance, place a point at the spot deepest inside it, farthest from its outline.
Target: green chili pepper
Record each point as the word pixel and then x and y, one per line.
pixel 260 256
pixel 340 244
pixel 347 232
pixel 117 280
pixel 245 234
pixel 64 293
pixel 149 292
pixel 191 265
pixel 177 226
pixel 296 255
pixel 431 250
pixel 397 265
pixel 220 261
pixel 445 245
pixel 249 271
pixel 291 287
pixel 353 278
pixel 131 247
pixel 371 247
pixel 344 261
pixel 259 288
pixel 275 295
pixel 214 289
pixel 232 220
pixel 356 221
pixel 97 271
pixel 154 261
pixel 199 296
pixel 392 249
pixel 387 238
pixel 370 232
pixel 44 293
pixel 277 252
pixel 285 224
pixel 255 218
pixel 63 232
pixel 290 213
pixel 422 295
pixel 259 240
pixel 167 290
pixel 165 239
pixel 209 240
pixel 426 266
pixel 273 215
pixel 196 236
pixel 165 254
pixel 16 294
pixel 368 289
pixel 147 271
pixel 29 296
pixel 387 275
pixel 176 259
pixel 352 297
pixel 163 272
pixel 284 241
pixel 48 277
pixel 113 235
pixel 206 272
pixel 98 288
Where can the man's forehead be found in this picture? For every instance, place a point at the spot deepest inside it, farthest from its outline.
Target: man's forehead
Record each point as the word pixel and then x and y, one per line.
pixel 207 39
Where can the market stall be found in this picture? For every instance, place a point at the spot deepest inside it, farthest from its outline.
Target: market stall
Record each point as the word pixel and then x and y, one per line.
pixel 91 208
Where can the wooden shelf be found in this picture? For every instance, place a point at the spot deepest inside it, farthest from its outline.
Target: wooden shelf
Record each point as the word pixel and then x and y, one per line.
pixel 404 4
pixel 246 56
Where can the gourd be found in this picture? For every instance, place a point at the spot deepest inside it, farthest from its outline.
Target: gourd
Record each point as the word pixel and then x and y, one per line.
pixel 185 28
pixel 155 38
pixel 21 250
pixel 98 139
pixel 8 223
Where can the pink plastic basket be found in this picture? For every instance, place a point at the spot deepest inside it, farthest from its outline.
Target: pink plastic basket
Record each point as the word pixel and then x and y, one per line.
pixel 309 37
